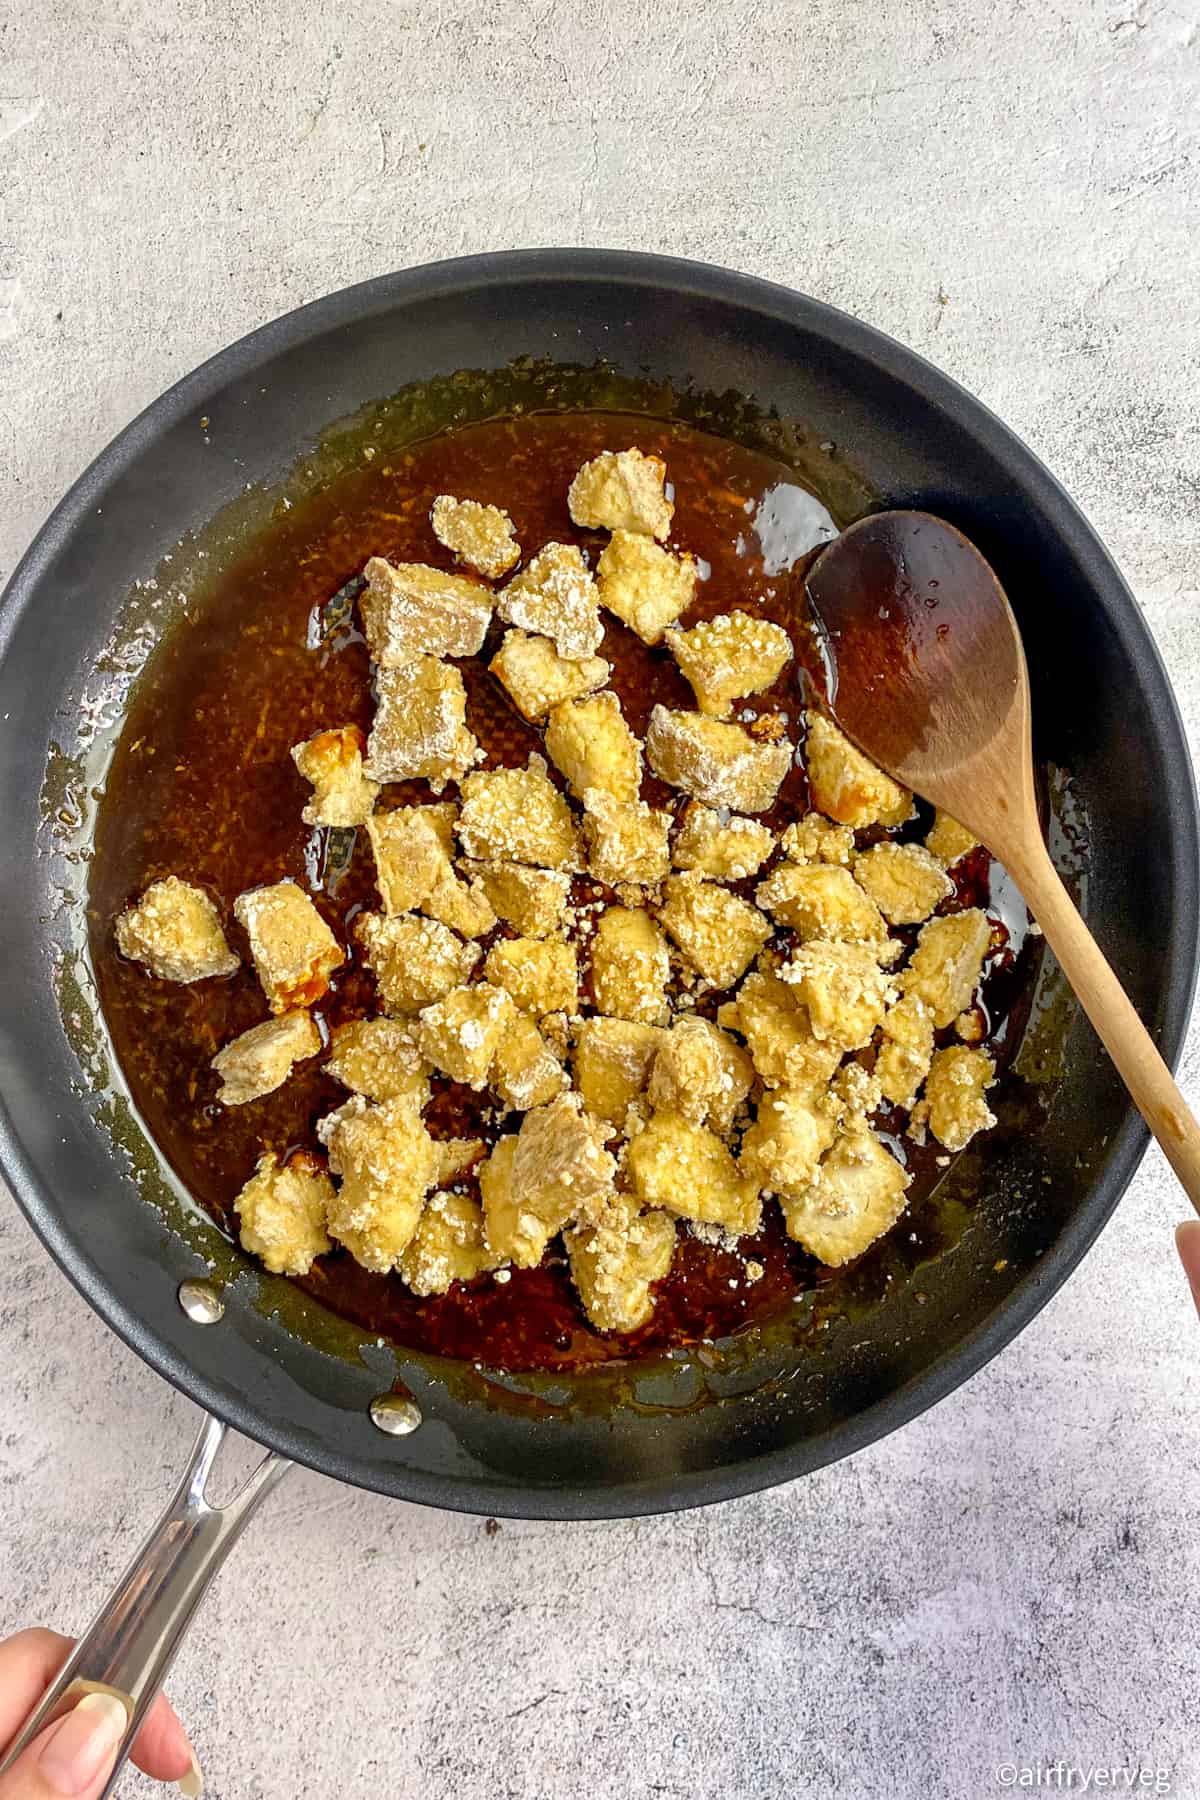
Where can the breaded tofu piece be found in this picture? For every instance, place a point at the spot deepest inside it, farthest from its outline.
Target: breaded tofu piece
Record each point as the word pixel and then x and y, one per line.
pixel 555 596
pixel 701 1073
pixel 517 815
pixel 845 784
pixel 282 1212
pixel 720 843
pixel 954 1105
pixel 783 1047
pixel 536 678
pixel 461 1034
pixel 462 905
pixel 615 1262
pixel 720 764
pixel 793 1130
pixel 454 1156
pixel 688 1171
pixel 821 900
pixel 410 611
pixel 293 948
pixel 626 840
pixel 381 1059
pixel 261 1059
pixel 447 1246
pixel 176 931
pixel 945 967
pixel 530 900
pixel 719 933
pixel 855 1091
pixel 643 585
pixel 526 1072
pixel 420 731
pixel 815 839
pixel 855 1196
pixel 622 490
pixel 480 536
pixel 410 858
pixel 561 1167
pixel 611 1062
pixel 903 880
pixel 949 841
pixel 518 1224
pixel 541 974
pixel 907 1049
pixel 388 1163
pixel 843 989
pixel 333 762
pixel 730 656
pixel 630 966
pixel 416 962
pixel 589 741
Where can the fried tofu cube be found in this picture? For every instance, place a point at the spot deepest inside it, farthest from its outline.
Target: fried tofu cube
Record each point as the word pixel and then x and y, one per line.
pixel 949 841
pixel 855 1091
pixel 720 843
pixel 461 1034
pixel 821 900
pixel 612 1062
pixel 333 762
pixel 856 1195
pixel 517 1224
pixel 688 1171
pixel 719 933
pixel 409 857
pixel 176 931
pixel 717 763
pixel 526 1072
pixel 907 1049
pixel 420 731
pixel 622 490
pixel 615 1262
pixel 845 784
pixel 517 815
pixel 541 974
pixel 416 962
pixel 954 1105
pixel 261 1059
pixel 462 905
pixel 480 536
pixel 530 900
pixel 626 840
pixel 561 1168
pixel 728 657
pixel 945 967
pixel 388 1163
pixel 410 611
pixel 293 948
pixel 844 990
pixel 454 1156
pixel 591 744
pixel 447 1246
pixel 643 585
pixel 283 1210
pixel 817 839
pixel 701 1073
pixel 381 1059
pixel 793 1130
pixel 784 1049
pixel 903 880
pixel 536 678
pixel 630 966
pixel 555 596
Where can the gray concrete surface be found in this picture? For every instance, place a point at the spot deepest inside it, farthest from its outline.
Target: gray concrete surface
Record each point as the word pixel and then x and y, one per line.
pixel 1016 192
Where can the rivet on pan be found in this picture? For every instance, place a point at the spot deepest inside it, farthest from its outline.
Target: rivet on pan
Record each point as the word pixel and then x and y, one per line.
pixel 201 1302
pixel 395 1414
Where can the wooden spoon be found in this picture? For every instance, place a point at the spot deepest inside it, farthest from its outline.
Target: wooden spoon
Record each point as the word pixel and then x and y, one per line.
pixel 928 678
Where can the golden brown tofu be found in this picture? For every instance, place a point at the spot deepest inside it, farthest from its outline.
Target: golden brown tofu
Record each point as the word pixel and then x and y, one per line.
pixel 561 1167
pixel 612 1062
pixel 555 596
pixel 410 611
pixel 954 1106
pixel 591 744
pixel 526 1072
pixel 409 857
pixel 783 1147
pixel 783 1047
pixel 816 839
pixel 720 843
pixel 630 966
pixel 643 585
pixel 381 1059
pixel 461 1034
pixel 949 841
pixel 719 933
pixel 945 967
pixel 462 905
pixel 906 1051
pixel 844 990
pixel 517 1225
pixel 530 900
pixel 480 536
pixel 387 1162
pixel 903 880
pixel 536 677
pixel 517 815
pixel 855 1092
pixel 845 784
pixel 261 1059
pixel 627 842
pixel 855 1196
pixel 622 490
pixel 333 762
pixel 701 1073
pixel 615 1262
pixel 293 948
pixel 416 962
pixel 420 731
pixel 720 764
pixel 820 900
pixel 176 931
pixel 447 1246
pixel 283 1210
pixel 688 1171
pixel 454 1155
pixel 730 656
pixel 541 974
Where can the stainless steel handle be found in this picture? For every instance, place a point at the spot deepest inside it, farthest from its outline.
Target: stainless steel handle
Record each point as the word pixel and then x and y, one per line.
pixel 131 1643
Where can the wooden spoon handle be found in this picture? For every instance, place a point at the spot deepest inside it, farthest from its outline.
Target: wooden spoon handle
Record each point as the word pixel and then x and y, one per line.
pixel 1112 1014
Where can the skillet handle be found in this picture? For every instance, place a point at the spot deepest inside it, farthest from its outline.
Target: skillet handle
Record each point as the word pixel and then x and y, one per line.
pixel 131 1643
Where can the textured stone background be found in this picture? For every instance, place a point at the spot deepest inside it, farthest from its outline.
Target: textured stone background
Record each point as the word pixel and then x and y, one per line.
pixel 1015 191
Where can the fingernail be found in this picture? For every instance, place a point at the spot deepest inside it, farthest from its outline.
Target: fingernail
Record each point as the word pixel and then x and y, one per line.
pixel 191 1784
pixel 83 1744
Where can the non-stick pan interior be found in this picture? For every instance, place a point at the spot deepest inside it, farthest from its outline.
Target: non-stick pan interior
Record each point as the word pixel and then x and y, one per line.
pixel 693 1429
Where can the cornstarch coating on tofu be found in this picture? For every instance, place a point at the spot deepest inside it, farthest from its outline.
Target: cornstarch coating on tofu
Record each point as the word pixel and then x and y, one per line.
pixel 482 537
pixel 333 762
pixel 175 930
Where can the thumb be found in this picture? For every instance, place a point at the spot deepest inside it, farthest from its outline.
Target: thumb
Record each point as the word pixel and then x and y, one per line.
pixel 1187 1242
pixel 74 1756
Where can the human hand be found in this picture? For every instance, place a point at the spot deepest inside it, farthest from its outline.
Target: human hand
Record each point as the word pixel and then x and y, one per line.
pixel 75 1754
pixel 1187 1242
